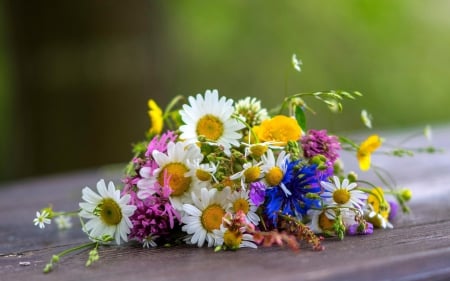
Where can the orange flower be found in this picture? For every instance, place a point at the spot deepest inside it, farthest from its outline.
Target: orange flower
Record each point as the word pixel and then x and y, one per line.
pixel 279 129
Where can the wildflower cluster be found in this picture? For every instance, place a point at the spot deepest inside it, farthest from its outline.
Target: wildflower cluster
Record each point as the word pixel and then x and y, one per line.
pixel 218 173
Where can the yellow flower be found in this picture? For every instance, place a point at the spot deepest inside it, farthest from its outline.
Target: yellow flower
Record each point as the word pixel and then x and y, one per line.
pixel 156 117
pixel 380 208
pixel 378 202
pixel 279 129
pixel 365 151
pixel 232 239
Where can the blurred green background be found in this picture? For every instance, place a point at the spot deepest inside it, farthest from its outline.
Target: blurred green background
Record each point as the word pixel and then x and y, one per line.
pixel 75 76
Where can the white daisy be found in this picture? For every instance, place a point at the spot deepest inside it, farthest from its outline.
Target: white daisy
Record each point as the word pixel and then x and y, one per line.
pixel 250 172
pixel 211 118
pixel 233 239
pixel 274 171
pixel 320 222
pixel 174 170
pixel 107 212
pixel 323 220
pixel 42 219
pixel 342 194
pixel 205 215
pixel 241 201
pixel 256 150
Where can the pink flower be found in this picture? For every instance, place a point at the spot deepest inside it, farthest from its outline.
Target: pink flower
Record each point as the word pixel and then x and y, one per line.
pixel 318 142
pixel 160 143
pixel 154 215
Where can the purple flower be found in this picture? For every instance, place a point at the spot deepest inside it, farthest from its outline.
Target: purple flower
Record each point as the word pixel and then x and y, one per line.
pixel 318 142
pixel 257 192
pixel 360 228
pixel 393 209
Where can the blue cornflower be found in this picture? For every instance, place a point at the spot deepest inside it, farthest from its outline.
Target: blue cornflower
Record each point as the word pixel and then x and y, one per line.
pixel 292 195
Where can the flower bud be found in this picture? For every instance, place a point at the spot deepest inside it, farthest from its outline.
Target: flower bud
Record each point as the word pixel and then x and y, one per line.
pixel 352 176
pixel 55 258
pixel 406 194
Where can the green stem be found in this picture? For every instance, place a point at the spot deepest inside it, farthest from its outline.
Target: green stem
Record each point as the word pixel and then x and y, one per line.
pixel 377 170
pixel 366 190
pixel 247 126
pixel 366 182
pixel 83 246
pixel 71 213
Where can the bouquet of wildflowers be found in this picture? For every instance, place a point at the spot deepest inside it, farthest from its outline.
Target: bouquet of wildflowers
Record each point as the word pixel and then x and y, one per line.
pixel 218 173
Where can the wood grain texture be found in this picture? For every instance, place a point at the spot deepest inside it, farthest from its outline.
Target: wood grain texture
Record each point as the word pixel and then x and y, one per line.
pixel 418 248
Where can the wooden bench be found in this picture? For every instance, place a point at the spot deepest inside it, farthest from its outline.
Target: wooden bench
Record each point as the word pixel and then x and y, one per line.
pixel 418 248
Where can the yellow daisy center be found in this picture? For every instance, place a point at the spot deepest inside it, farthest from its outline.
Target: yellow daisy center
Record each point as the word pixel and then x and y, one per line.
pixel 212 217
pixel 324 222
pixel 228 182
pixel 202 175
pixel 110 212
pixel 232 239
pixel 241 204
pixel 178 182
pixel 252 174
pixel 341 196
pixel 258 150
pixel 210 127
pixel 274 176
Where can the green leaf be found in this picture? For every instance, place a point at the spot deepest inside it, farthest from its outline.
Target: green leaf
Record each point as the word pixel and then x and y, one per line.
pixel 300 117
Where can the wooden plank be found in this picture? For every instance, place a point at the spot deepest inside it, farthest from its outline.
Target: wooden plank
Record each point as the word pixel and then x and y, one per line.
pixel 418 248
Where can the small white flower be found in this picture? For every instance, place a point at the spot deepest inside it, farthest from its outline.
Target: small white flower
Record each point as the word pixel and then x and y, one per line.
pixel 296 63
pixel 250 110
pixel 42 219
pixel 201 172
pixel 149 241
pixel 107 212
pixel 63 222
